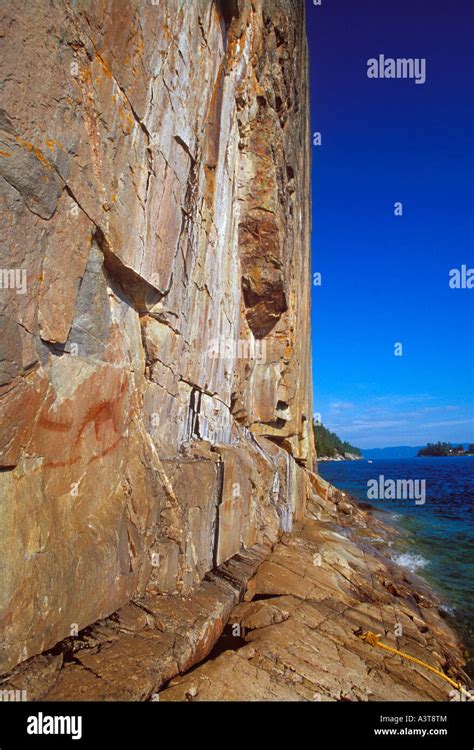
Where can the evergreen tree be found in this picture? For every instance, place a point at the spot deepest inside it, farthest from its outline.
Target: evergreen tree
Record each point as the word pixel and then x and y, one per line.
pixel 328 444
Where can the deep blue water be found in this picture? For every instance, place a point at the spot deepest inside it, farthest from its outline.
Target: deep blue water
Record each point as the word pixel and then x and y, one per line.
pixel 438 543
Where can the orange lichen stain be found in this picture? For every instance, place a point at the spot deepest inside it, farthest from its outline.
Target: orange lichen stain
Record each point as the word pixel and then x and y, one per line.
pixel 167 31
pixel 4 153
pixel 91 123
pixel 129 124
pixel 256 273
pixel 210 174
pixel 139 44
pixel 105 68
pixel 36 151
pixel 86 75
pixel 108 204
pixel 217 91
pixel 235 46
pixel 52 144
pixel 126 118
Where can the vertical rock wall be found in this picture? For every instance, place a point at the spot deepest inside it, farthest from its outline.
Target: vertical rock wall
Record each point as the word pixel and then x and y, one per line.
pixel 155 407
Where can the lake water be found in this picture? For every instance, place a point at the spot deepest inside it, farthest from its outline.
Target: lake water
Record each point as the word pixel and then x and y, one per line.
pixel 438 543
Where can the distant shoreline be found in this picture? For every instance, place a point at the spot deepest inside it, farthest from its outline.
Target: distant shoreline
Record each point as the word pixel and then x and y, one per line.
pixel 447 455
pixel 348 457
pixel 389 458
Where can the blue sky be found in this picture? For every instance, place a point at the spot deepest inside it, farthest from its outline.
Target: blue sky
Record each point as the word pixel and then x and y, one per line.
pixel 385 278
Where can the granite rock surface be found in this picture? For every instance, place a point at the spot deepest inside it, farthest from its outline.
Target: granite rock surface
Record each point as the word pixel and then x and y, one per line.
pixel 155 408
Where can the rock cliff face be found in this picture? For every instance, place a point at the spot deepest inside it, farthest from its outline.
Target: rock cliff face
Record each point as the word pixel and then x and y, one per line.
pixel 154 300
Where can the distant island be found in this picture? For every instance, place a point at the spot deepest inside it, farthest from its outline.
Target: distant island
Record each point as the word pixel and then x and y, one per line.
pixel 446 449
pixel 329 447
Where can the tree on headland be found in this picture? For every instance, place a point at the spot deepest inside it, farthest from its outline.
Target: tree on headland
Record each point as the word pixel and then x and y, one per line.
pixel 329 445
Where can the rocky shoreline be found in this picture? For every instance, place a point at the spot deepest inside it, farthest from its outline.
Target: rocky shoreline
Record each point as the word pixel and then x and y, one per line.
pixel 322 587
pixel 339 457
pixel 279 623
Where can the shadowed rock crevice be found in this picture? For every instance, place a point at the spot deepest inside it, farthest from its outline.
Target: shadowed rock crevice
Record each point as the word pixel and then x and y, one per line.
pixel 229 9
pixel 137 289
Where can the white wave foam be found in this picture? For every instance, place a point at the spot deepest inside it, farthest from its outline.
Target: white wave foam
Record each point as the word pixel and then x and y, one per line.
pixel 411 561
